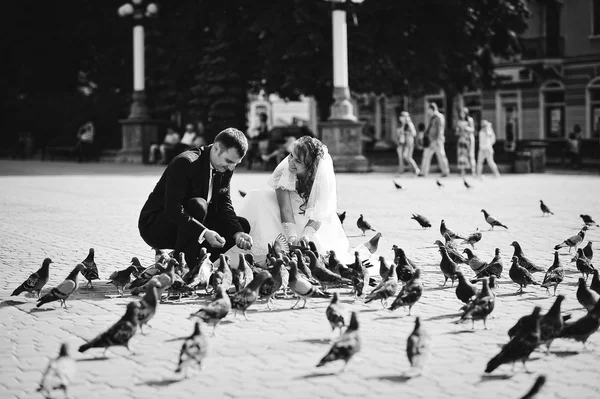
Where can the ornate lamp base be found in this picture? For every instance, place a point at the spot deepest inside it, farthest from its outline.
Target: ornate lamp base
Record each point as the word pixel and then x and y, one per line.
pixel 344 140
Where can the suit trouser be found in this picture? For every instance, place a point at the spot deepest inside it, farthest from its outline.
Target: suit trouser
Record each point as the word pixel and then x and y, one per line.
pixel 437 148
pixel 159 232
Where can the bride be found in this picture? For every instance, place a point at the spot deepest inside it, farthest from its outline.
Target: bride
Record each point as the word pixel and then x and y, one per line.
pixel 301 203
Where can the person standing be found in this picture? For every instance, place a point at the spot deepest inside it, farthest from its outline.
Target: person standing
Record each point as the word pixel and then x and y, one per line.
pixel 465 147
pixel 487 138
pixel 405 138
pixel 85 142
pixel 435 135
pixel 190 205
pixel 169 143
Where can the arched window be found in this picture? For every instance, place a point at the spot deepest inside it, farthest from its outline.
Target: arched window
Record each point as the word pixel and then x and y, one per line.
pixel 593 107
pixel 552 110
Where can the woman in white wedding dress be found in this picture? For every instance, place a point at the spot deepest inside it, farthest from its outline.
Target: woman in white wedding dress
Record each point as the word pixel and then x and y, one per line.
pixel 301 203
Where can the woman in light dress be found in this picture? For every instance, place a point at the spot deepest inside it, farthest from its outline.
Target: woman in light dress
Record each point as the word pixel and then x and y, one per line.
pixel 405 138
pixel 487 138
pixel 465 147
pixel 300 203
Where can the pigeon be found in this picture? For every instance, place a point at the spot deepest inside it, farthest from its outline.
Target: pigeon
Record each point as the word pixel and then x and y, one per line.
pixel 193 351
pixel 199 275
pixel 148 305
pixel 523 261
pixel 118 334
pixel 280 246
pixel 410 293
pixel 552 323
pixel 452 253
pixel 447 266
pixel 363 225
pixel 247 274
pixel 473 239
pixel 492 221
pixel 573 241
pixel 302 287
pixel 480 307
pixel 398 186
pixel 464 290
pixel 494 268
pixel 322 274
pixel 335 313
pixel 545 209
pixel 445 230
pixel 346 346
pixel 342 217
pixel 158 255
pixel 439 183
pixel 581 329
pixel 121 278
pixel 521 346
pixel 404 266
pixel 595 285
pixel 554 275
pixel 167 278
pixel 221 276
pixel 59 374
pixel 246 297
pixel 272 284
pixel 63 291
pixel 384 268
pixel 583 264
pixel 388 289
pixel 467 185
pixel 138 265
pixel 586 297
pixel 242 193
pixel 493 284
pixel 535 389
pixel 360 276
pixel 520 275
pixel 139 284
pixel 475 263
pixel 418 347
pixel 213 312
pixel 372 245
pixel 91 270
pixel 587 219
pixel 422 220
pixel 587 251
pixel 304 269
pixel 36 281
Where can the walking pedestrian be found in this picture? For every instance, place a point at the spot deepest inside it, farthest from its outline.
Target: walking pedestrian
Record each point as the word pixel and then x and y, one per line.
pixel 487 138
pixel 405 138
pixel 465 147
pixel 435 135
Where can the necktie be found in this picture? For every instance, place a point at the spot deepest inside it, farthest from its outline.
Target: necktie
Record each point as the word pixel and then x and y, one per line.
pixel 210 185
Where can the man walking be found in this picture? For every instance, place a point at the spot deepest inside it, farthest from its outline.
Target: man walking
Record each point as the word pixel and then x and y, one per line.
pixel 435 134
pixel 190 205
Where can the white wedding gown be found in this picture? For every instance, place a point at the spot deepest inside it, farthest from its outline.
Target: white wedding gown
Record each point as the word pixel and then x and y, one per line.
pixel 261 209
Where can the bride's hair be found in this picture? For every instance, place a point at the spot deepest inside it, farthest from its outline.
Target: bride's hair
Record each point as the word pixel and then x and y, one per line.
pixel 310 151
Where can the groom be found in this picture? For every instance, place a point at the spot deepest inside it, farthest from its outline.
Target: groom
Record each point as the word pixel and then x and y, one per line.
pixel 190 205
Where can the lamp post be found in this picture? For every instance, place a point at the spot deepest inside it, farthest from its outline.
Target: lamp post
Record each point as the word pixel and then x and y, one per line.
pixel 138 130
pixel 342 133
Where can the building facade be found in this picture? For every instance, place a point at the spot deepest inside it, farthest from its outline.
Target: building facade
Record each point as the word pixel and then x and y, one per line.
pixel 554 85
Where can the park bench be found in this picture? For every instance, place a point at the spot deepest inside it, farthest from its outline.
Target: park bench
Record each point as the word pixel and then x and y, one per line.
pixel 64 147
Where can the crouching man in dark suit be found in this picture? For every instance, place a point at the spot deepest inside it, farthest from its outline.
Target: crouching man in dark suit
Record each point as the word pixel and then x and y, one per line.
pixel 190 205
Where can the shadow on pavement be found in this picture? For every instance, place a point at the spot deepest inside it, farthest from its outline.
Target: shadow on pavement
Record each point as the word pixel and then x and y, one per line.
pixel 391 317
pixel 511 294
pixel 393 378
pixel 94 359
pixel 565 353
pixel 316 375
pixel 10 302
pixel 160 383
pixel 319 341
pixel 444 316
pixel 498 377
pixel 469 331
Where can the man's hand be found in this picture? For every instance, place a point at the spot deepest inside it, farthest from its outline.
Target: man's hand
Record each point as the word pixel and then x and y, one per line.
pixel 243 241
pixel 214 239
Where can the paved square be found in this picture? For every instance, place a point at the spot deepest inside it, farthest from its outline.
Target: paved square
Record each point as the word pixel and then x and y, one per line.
pixel 60 210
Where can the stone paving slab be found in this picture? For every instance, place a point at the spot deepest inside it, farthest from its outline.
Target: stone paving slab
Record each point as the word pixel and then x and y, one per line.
pixel 60 210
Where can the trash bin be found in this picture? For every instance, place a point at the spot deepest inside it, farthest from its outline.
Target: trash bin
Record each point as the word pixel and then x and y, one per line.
pixel 523 162
pixel 538 159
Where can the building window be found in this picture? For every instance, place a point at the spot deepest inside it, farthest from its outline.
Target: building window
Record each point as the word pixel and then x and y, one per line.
pixel 552 106
pixel 595 17
pixel 594 107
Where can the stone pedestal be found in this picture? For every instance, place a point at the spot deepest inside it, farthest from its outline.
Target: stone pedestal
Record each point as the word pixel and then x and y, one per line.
pixel 343 138
pixel 138 131
pixel 137 135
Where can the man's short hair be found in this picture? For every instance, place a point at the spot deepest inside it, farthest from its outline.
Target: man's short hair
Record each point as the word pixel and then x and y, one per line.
pixel 433 106
pixel 233 138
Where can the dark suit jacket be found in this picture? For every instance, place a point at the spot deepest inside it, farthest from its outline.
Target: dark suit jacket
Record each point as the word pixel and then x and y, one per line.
pixel 187 177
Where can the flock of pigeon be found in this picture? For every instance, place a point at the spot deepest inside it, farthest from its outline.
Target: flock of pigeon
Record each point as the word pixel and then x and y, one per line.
pixel 306 273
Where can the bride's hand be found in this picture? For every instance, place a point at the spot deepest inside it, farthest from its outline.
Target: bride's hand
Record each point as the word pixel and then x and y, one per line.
pixel 243 241
pixel 292 240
